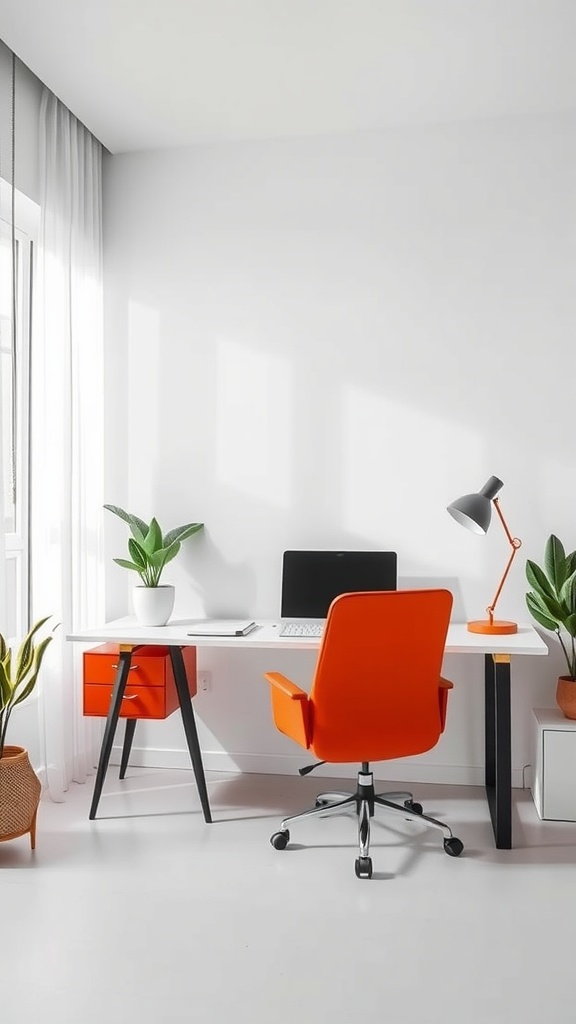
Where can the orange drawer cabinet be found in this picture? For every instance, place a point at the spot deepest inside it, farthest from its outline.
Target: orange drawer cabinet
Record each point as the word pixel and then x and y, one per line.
pixel 150 690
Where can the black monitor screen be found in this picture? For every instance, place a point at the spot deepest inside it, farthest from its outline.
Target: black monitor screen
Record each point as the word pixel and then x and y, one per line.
pixel 312 579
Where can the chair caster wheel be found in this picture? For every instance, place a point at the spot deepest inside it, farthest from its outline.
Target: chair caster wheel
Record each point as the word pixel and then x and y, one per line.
pixel 363 867
pixel 453 846
pixel 411 805
pixel 280 840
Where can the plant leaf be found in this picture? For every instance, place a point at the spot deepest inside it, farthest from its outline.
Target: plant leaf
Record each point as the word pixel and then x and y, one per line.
pixel 137 526
pixel 157 558
pixel 538 580
pixel 555 562
pixel 166 554
pixel 24 660
pixel 570 624
pixel 5 686
pixel 26 651
pixel 567 595
pixel 541 603
pixel 541 618
pixel 128 565
pixel 138 554
pixel 153 539
pixel 571 563
pixel 550 606
pixel 181 532
pixel 37 661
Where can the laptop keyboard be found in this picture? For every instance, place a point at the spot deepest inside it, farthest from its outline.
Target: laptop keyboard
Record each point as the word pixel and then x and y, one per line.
pixel 302 629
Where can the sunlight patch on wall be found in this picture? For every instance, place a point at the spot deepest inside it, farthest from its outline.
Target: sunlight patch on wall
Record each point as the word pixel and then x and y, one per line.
pixel 254 428
pixel 399 469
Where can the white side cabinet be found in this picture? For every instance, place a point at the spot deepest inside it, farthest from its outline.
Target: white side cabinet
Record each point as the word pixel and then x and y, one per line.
pixel 554 765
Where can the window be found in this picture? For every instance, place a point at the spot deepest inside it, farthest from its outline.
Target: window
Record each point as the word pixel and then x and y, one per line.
pixel 15 406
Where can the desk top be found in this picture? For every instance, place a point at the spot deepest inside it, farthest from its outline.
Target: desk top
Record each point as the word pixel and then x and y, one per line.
pixel 267 637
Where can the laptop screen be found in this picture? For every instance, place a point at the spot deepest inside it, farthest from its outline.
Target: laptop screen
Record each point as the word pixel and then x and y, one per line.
pixel 312 579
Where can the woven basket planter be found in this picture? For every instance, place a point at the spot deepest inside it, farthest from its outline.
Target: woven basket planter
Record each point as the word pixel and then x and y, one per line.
pixel 19 795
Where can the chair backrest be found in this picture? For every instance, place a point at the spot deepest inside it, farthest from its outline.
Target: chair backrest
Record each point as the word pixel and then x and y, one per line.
pixel 375 693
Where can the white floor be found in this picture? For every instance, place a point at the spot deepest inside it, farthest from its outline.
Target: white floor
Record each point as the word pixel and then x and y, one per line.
pixel 149 916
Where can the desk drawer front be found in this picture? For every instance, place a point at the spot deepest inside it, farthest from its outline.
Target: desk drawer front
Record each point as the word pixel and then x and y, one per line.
pixel 150 688
pixel 146 669
pixel 137 702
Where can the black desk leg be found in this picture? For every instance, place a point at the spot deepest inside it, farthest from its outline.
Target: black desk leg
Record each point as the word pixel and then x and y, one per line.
pixel 498 747
pixel 111 723
pixel 189 723
pixel 127 747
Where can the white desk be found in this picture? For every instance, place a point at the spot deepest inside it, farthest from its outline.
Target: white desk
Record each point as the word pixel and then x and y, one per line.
pixel 497 651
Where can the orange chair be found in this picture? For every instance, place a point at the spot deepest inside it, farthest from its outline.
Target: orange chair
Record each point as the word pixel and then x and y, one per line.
pixel 377 694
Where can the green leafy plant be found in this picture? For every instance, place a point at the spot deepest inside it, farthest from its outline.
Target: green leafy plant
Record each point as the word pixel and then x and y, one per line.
pixel 19 673
pixel 552 600
pixel 150 550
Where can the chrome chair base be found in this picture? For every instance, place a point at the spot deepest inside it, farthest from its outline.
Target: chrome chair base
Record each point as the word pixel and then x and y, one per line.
pixel 364 801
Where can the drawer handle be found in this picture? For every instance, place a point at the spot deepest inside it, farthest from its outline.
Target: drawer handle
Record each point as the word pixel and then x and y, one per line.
pixel 133 696
pixel 130 669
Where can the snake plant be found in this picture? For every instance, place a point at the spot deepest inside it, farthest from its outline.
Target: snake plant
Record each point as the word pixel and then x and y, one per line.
pixel 149 549
pixel 19 673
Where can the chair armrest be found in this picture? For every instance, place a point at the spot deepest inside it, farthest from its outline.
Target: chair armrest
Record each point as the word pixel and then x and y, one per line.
pixel 444 687
pixel 291 708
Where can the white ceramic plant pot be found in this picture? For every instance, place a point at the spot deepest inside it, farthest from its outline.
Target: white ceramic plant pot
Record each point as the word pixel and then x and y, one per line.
pixel 153 605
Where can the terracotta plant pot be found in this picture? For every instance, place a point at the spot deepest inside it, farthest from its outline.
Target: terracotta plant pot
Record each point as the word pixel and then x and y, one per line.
pixel 566 696
pixel 19 795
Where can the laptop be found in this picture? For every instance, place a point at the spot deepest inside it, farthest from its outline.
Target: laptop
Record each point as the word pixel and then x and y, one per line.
pixel 312 579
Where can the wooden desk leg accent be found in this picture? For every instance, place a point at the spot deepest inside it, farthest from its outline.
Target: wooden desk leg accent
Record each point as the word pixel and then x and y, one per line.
pixel 127 747
pixel 498 771
pixel 189 723
pixel 124 659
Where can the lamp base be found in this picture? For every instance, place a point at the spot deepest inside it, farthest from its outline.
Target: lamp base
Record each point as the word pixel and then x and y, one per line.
pixel 499 626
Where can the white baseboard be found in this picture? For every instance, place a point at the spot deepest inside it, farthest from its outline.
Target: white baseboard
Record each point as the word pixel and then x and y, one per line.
pixel 282 764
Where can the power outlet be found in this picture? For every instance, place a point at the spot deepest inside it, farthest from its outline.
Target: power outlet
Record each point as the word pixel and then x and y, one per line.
pixel 204 680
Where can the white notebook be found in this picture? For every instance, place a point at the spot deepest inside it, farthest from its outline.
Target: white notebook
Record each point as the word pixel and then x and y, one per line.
pixel 221 627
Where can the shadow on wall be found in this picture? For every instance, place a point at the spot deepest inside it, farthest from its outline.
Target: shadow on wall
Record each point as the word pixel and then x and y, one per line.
pixel 225 589
pixel 451 583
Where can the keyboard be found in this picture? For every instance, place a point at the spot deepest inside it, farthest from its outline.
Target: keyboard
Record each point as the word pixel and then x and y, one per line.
pixel 302 629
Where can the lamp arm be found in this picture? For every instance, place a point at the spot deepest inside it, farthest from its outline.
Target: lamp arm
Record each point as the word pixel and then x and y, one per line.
pixel 515 543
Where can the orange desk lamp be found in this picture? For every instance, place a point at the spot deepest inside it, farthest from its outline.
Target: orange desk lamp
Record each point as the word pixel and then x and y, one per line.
pixel 474 511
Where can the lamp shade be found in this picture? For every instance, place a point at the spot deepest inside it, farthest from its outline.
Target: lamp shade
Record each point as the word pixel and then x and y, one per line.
pixel 474 510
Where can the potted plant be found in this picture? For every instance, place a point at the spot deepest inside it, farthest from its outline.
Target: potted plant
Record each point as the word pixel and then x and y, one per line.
pixel 19 785
pixel 552 602
pixel 150 550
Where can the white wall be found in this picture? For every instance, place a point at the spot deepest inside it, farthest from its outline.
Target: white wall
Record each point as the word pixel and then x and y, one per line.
pixel 28 93
pixel 321 343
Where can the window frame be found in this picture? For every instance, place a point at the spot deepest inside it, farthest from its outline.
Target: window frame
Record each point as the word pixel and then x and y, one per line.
pixel 17 542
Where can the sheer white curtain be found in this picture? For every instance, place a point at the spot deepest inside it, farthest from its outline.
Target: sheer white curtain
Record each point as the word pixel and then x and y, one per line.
pixel 2 527
pixel 7 98
pixel 67 430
